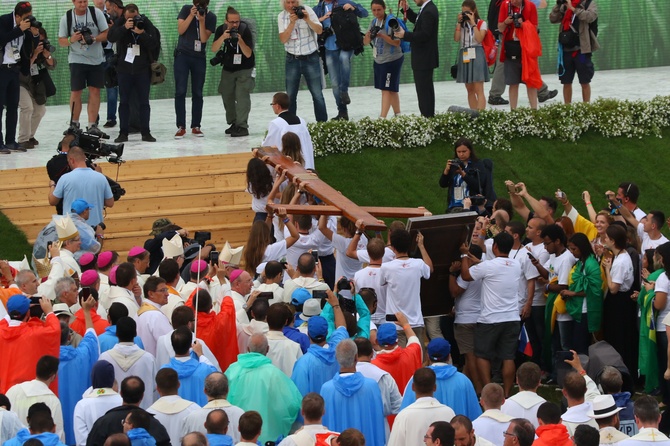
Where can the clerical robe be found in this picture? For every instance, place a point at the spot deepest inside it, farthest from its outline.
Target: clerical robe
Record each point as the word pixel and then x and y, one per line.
pixel 256 384
pixel 165 352
pixel 219 331
pixel 454 389
pixel 74 373
pixel 79 324
pixel 171 411
pixel 22 345
pixel 353 400
pixel 128 359
pixel 318 365
pixel 151 325
pixel 192 374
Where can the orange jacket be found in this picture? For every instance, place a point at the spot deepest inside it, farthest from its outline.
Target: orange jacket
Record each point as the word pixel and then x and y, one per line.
pixel 79 324
pixel 531 51
pixel 552 435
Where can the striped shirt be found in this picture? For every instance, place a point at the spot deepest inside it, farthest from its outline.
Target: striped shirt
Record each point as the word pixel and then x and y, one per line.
pixel 302 40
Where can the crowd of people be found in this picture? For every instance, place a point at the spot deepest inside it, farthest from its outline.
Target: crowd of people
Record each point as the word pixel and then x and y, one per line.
pixel 117 47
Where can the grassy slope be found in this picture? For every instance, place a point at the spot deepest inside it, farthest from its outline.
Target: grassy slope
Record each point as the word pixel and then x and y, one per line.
pixel 409 177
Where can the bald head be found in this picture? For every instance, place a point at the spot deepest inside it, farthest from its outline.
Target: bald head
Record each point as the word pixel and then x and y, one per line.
pixel 258 343
pixel 216 386
pixel 194 439
pixel 217 422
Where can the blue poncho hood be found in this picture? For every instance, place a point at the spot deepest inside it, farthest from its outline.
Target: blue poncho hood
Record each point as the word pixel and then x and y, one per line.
pixel 348 385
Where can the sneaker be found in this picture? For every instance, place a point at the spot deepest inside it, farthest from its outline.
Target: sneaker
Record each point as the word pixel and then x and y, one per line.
pixel 27 145
pixel 4 150
pixel 498 100
pixel 94 130
pixel 110 123
pixel 550 95
pixel 195 131
pixel 15 147
pixel 230 130
pixel 180 133
pixel 123 137
pixel 34 141
pixel 341 117
pixel 344 98
pixel 240 131
pixel 148 138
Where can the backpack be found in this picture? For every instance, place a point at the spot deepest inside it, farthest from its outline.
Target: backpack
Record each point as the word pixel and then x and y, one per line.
pixel 489 44
pixel 347 31
pixel 70 13
pixel 404 45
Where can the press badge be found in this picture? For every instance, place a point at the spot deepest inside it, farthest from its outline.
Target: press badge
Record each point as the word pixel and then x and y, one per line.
pixel 130 55
pixel 237 59
pixel 16 53
pixel 466 56
pixel 136 50
pixel 197 46
pixel 34 70
pixel 472 54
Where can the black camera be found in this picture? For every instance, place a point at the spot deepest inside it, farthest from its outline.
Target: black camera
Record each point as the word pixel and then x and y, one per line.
pixel 202 11
pixel 218 59
pixel 374 31
pixel 108 18
pixel 343 284
pixel 85 32
pixel 48 46
pixel 234 35
pixel 321 38
pixel 34 23
pixel 299 11
pixel 465 17
pixel 201 237
pixel 515 18
pixel 478 200
pixel 456 163
pixel 35 307
pixel 139 22
pixel 394 26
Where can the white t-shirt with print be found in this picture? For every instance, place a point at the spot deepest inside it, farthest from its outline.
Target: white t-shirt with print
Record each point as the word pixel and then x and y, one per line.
pixel 402 279
pixel 500 289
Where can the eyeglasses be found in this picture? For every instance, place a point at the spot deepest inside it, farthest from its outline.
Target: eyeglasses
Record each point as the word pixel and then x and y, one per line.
pixel 78 239
pixel 272 103
pixel 427 437
pixel 162 290
pixel 507 434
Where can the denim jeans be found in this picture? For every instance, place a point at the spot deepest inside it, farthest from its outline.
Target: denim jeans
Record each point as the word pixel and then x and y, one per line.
pixel 197 67
pixel 112 93
pixel 310 67
pixel 339 70
pixel 137 85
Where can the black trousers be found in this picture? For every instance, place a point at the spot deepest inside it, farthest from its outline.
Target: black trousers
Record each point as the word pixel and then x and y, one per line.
pixel 9 98
pixel 137 85
pixel 425 92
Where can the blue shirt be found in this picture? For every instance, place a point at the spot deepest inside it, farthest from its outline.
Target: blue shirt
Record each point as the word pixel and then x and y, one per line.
pixel 108 339
pixel 192 374
pixel 88 185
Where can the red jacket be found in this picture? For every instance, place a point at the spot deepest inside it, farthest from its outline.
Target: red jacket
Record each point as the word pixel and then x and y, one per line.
pixel 79 324
pixel 529 14
pixel 552 435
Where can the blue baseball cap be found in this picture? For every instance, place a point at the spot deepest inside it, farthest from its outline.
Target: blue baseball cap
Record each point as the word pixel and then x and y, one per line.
pixel 317 328
pixel 439 349
pixel 387 334
pixel 78 206
pixel 18 303
pixel 300 296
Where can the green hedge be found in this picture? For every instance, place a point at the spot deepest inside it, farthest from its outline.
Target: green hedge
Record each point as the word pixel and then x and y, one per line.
pixel 494 129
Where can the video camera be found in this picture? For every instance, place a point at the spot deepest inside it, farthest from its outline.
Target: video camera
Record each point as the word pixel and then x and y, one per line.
pixel 93 147
pixel 86 33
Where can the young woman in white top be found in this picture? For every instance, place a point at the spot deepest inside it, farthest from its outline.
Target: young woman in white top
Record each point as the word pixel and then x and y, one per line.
pixel 259 248
pixel 259 185
pixel 473 70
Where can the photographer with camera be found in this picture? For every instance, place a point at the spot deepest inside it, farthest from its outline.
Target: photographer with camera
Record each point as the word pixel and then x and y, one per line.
pixel 36 87
pixel 577 40
pixel 517 23
pixel 16 40
pixel 234 48
pixel 195 24
pixel 82 183
pixel 388 57
pixel 137 43
pixel 83 29
pixel 338 60
pixel 466 176
pixel 472 67
pixel 298 30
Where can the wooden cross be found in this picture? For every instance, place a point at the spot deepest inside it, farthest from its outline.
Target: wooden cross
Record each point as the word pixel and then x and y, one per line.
pixel 337 203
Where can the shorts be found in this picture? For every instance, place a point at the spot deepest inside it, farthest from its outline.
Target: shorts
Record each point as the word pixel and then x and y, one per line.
pixel 499 340
pixel 465 337
pixel 574 61
pixel 387 75
pixel 512 71
pixel 83 75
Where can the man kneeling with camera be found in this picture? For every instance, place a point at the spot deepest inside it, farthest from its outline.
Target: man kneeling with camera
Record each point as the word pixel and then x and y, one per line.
pixel 137 45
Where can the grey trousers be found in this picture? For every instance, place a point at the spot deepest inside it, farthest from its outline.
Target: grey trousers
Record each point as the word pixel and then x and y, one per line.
pixel 498 82
pixel 235 89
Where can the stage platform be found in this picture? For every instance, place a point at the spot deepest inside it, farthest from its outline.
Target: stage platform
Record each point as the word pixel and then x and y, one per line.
pixel 631 84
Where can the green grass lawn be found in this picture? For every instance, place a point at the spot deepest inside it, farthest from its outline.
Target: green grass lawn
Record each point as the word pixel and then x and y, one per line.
pixel 383 177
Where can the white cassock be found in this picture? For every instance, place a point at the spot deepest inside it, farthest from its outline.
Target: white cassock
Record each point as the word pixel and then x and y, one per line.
pixel 283 351
pixel 128 359
pixel 103 291
pixel 93 405
pixel 278 127
pixel 24 395
pixel 165 352
pixel 611 436
pixel 125 297
pixel 413 421
pixel 240 302
pixel 9 425
pixel 645 436
pixel 195 422
pixel 491 424
pixel 171 411
pixel 523 405
pixel 151 325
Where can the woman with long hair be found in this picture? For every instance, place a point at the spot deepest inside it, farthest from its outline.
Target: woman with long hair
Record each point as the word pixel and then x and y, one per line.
pixel 620 310
pixel 259 185
pixel 291 147
pixel 583 298
pixel 473 70
pixel 259 247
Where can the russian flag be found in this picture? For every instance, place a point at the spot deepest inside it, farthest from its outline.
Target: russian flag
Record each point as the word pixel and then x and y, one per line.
pixel 524 343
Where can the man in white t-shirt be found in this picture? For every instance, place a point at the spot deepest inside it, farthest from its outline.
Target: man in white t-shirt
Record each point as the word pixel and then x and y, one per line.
pixel 307 268
pixel 369 277
pixel 308 240
pixel 528 271
pixel 648 227
pixel 535 326
pixel 402 279
pixel 497 331
pixel 345 266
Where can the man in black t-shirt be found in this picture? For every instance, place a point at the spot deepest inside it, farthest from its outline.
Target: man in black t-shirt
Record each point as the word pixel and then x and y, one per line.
pixel 234 47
